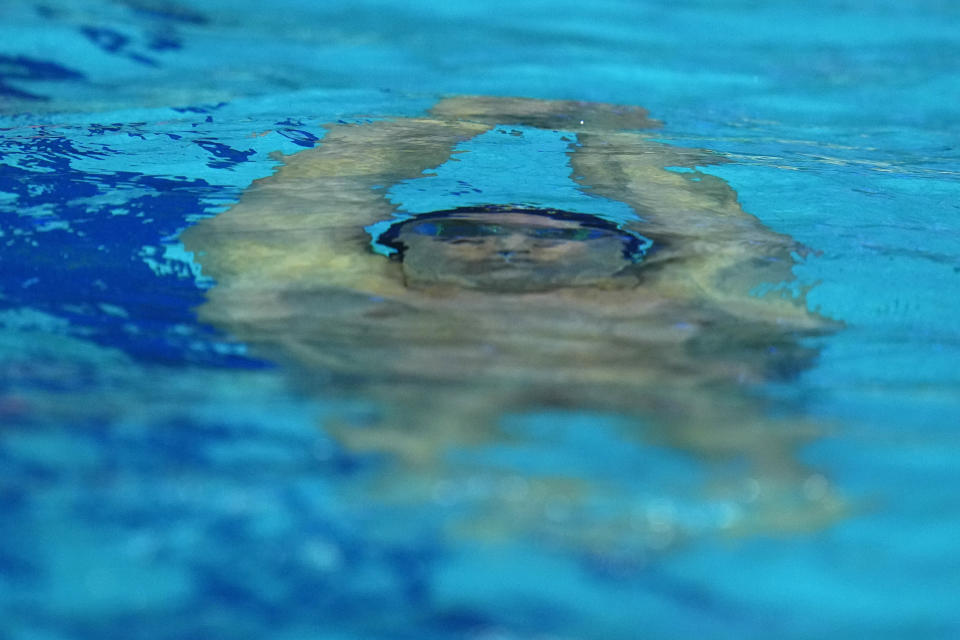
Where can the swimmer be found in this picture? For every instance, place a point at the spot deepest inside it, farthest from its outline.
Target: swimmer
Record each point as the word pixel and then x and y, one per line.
pixel 467 316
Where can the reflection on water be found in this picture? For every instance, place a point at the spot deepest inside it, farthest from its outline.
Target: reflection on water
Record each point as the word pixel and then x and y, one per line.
pixel 518 331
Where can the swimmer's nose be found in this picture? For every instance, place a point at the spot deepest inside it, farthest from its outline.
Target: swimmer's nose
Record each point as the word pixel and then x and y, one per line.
pixel 510 245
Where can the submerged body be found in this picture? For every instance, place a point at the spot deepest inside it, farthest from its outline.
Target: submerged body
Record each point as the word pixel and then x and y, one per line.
pixel 490 312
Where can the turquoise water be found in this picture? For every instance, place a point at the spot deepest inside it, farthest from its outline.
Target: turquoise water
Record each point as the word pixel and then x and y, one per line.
pixel 159 480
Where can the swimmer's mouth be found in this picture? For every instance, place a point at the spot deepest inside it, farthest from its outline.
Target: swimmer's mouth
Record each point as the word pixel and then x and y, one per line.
pixel 511 261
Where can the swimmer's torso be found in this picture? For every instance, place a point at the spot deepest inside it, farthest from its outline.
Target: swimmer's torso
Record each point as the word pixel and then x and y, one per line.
pixel 488 315
pixel 293 264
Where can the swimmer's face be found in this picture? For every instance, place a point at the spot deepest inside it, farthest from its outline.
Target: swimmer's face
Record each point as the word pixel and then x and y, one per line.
pixel 509 252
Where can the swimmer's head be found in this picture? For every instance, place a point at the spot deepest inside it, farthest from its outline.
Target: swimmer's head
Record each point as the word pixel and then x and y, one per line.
pixel 512 249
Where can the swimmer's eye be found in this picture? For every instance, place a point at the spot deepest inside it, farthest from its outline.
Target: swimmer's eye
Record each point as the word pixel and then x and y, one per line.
pixel 567 234
pixel 453 230
pixel 426 229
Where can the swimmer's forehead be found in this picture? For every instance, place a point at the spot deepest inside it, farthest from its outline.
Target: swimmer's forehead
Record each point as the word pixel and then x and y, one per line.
pixel 518 219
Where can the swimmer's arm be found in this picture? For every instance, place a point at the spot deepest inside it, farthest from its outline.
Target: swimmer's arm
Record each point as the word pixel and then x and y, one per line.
pixel 706 246
pixel 304 225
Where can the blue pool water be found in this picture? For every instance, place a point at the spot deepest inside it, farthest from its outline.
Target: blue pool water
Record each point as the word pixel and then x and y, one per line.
pixel 160 479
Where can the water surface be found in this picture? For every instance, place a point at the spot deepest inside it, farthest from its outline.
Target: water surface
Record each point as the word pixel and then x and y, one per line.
pixel 162 477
